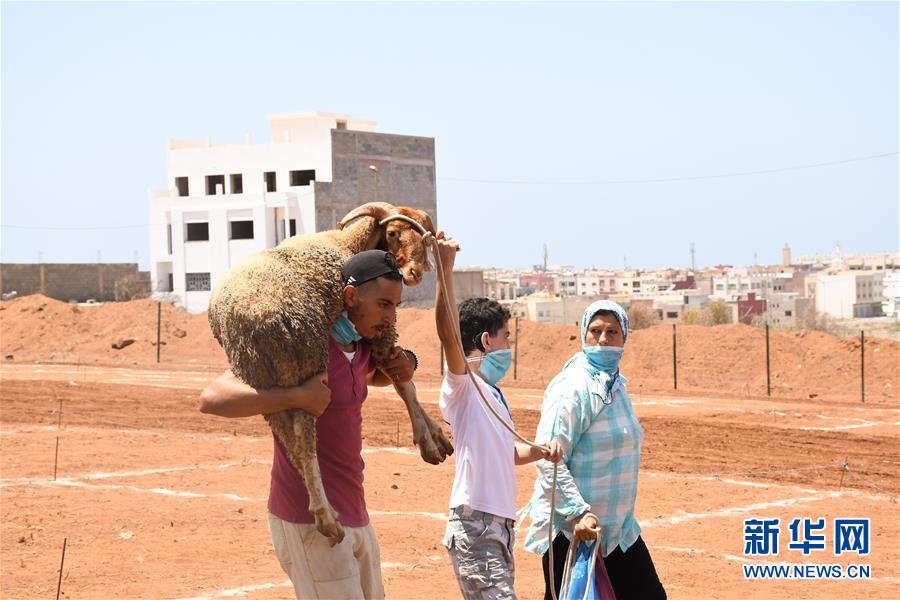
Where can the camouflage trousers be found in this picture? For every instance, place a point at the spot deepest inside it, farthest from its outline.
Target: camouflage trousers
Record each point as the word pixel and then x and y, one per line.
pixel 480 546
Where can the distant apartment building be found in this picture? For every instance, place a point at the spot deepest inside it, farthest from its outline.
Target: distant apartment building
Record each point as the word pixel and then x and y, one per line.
pixel 786 309
pixel 870 261
pixel 850 294
pixel 596 282
pixel 740 282
pixel 747 309
pixel 553 309
pixel 536 281
pixel 224 202
pixel 587 283
pixel 565 284
pixel 890 305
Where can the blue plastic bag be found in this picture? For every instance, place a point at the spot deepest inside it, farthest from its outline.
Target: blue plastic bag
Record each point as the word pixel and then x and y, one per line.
pixel 585 568
pixel 580 573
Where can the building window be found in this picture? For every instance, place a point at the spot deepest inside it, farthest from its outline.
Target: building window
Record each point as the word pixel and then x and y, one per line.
pixel 241 230
pixel 341 124
pixel 197 232
pixel 181 184
pixel 168 238
pixel 788 313
pixel 671 315
pixel 292 228
pixel 196 282
pixel 302 177
pixel 215 185
pixel 269 177
pixel 237 183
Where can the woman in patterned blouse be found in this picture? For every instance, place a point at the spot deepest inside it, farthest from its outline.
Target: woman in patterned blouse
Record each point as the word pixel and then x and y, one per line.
pixel 587 410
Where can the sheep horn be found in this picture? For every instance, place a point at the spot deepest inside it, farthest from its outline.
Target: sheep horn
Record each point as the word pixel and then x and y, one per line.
pixel 416 225
pixel 377 210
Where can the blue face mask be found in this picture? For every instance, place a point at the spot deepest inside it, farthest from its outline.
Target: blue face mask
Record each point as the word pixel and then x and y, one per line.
pixel 604 358
pixel 343 331
pixel 494 365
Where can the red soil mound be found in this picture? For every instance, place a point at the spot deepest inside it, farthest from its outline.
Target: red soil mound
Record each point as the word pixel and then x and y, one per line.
pixel 726 358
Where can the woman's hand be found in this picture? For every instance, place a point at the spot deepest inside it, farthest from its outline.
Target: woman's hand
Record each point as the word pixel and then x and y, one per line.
pixel 587 527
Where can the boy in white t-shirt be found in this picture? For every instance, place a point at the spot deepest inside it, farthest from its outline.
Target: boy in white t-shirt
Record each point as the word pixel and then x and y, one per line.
pixel 481 528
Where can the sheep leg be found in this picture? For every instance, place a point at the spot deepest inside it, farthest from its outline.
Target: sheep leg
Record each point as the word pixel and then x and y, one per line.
pixel 292 429
pixel 303 455
pixel 427 435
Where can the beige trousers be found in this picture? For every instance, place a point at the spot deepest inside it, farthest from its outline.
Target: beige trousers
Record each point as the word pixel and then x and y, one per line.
pixel 350 570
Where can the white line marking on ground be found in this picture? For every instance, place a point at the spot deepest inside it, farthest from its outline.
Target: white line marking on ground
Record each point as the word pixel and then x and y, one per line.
pixel 841 427
pixel 242 591
pixel 6 431
pixel 16 481
pixel 763 484
pixel 727 512
pixel 397 513
pixel 404 451
pixel 161 491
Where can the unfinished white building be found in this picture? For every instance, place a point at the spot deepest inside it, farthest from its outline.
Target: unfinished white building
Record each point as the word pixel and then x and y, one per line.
pixel 224 202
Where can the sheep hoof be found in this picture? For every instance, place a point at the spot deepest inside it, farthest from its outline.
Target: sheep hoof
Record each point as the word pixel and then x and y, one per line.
pixel 434 447
pixel 328 525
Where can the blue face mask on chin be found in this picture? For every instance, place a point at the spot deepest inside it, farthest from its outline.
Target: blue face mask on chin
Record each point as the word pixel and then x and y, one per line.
pixel 604 358
pixel 494 365
pixel 343 331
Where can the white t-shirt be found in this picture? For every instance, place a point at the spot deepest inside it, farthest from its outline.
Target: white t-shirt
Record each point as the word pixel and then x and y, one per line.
pixel 485 477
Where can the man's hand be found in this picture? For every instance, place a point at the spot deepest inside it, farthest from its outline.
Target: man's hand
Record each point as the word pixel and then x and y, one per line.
pixel 447 249
pixel 313 395
pixel 399 366
pixel 587 527
pixel 553 452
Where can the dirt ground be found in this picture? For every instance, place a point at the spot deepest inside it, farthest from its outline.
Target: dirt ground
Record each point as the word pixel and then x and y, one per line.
pixel 159 501
pixel 156 500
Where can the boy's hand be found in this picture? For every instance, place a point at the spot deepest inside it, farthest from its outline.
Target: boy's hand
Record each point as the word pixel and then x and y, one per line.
pixel 447 249
pixel 399 367
pixel 553 453
pixel 313 395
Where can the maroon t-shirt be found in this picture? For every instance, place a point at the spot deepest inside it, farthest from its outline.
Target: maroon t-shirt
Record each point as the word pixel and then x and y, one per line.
pixel 339 447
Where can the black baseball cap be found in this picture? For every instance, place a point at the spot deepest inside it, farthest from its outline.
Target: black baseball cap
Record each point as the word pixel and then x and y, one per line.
pixel 369 265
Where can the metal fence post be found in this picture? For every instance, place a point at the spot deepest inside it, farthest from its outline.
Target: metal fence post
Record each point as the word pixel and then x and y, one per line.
pixel 768 365
pixel 674 359
pixel 862 365
pixel 158 327
pixel 516 352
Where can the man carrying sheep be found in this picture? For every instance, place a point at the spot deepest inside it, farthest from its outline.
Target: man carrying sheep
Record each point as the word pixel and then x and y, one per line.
pixel 352 568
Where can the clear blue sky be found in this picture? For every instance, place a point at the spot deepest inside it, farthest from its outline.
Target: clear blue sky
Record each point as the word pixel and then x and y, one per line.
pixel 545 93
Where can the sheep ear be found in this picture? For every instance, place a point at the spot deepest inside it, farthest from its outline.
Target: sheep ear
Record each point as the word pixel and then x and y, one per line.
pixel 378 210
